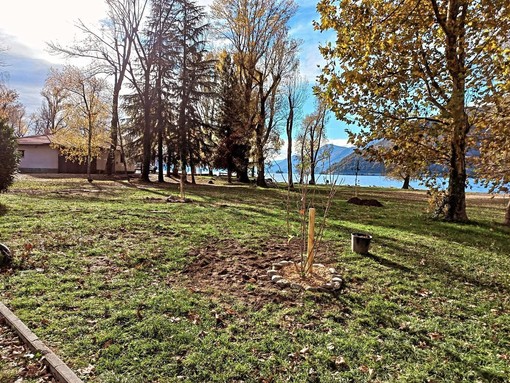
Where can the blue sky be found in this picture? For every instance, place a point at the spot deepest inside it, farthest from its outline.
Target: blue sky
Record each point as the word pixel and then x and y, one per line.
pixel 26 26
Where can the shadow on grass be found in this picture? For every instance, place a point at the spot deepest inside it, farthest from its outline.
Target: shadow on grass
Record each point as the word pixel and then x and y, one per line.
pixel 3 210
pixel 389 263
pixel 142 187
pixel 438 266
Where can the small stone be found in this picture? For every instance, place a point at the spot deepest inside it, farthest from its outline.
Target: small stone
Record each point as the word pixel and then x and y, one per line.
pixel 336 279
pixel 336 285
pixel 296 286
pixel 277 266
pixel 282 282
pixel 332 270
pixel 311 288
pixel 285 263
pixel 318 265
pixel 272 272
pixel 276 278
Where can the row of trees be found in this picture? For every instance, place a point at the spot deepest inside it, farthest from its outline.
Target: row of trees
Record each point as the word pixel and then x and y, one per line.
pixel 174 97
pixel 429 81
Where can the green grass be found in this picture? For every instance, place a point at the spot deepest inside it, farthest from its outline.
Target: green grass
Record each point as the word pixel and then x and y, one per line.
pixel 98 278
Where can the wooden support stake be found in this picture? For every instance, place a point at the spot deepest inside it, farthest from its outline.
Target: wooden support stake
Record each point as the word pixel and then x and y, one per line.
pixel 311 238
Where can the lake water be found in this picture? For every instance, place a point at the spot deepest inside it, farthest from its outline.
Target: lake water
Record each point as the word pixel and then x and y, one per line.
pixel 366 181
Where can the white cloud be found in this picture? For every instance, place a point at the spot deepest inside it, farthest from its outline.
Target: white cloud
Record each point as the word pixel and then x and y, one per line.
pixel 32 24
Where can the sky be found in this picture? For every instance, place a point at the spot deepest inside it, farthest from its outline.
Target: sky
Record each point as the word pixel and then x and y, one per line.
pixel 26 26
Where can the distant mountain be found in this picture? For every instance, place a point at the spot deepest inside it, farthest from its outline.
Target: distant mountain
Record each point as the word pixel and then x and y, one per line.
pixel 356 163
pixel 329 155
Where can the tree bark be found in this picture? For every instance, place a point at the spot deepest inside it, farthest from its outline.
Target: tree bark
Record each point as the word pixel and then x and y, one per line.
pixel 311 181
pixel 454 29
pixel 242 172
pixel 146 164
pixel 407 180
pixel 114 126
pixel 289 126
pixel 261 173
pixel 89 149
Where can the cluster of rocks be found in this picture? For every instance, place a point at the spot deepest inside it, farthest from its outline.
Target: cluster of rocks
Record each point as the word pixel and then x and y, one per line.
pixel 335 284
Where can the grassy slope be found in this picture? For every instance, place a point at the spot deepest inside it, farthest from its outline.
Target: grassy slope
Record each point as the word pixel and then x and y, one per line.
pixel 431 302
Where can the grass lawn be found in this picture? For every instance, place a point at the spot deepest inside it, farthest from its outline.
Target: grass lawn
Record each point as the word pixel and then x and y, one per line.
pixel 126 287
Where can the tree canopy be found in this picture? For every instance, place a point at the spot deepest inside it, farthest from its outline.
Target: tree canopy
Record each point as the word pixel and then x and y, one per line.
pixel 407 71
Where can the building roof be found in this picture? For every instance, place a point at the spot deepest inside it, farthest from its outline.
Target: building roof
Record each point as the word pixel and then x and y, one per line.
pixel 35 140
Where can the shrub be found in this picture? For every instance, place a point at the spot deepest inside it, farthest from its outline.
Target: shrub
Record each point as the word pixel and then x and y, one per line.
pixel 8 156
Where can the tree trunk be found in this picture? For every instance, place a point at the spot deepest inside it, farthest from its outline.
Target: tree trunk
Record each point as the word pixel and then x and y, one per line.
pixel 89 151
pixel 302 166
pixel 507 215
pixel 407 180
pixel 454 29
pixel 146 164
pixel 242 174
pixel 192 167
pixel 259 140
pixel 161 177
pixel 261 173
pixel 168 161
pixel 114 126
pixel 290 123
pixel 312 175
pixel 457 182
pixel 311 181
pixel 175 171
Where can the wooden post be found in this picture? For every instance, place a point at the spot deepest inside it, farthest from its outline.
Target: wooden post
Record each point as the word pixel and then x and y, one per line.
pixel 311 237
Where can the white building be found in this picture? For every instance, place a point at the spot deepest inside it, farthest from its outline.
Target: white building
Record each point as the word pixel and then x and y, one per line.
pixel 39 156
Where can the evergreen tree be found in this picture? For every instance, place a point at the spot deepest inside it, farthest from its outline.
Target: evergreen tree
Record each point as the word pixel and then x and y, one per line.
pixel 8 156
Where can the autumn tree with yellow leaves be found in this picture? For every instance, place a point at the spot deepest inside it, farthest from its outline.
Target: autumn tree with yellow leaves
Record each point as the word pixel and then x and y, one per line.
pixel 257 32
pixel 408 70
pixel 87 113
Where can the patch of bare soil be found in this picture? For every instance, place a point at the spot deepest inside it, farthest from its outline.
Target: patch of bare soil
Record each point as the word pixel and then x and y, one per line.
pixel 228 268
pixel 16 355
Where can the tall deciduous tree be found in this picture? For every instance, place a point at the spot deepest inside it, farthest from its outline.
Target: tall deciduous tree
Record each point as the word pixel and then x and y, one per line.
pixel 110 48
pixel 50 117
pixel 257 31
pixel 294 96
pixel 86 115
pixel 396 62
pixel 13 111
pixel 310 139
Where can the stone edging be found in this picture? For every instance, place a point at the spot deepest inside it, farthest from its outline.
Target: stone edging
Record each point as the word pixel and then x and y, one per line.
pixel 335 283
pixel 58 368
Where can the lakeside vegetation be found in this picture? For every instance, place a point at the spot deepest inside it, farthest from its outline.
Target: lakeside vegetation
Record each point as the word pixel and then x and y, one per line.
pixel 126 287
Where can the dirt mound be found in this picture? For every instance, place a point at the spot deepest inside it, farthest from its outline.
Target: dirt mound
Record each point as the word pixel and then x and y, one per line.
pixel 364 202
pixel 229 268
